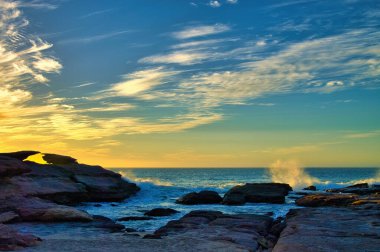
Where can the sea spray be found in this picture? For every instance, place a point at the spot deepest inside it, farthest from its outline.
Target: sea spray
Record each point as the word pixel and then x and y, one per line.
pixel 291 173
pixel 129 175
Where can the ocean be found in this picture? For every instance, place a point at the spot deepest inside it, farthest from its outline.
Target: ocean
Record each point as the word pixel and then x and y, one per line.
pixel 161 187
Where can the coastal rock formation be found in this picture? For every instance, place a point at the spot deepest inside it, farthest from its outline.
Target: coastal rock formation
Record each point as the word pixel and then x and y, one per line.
pixel 36 192
pixel 69 183
pixel 161 212
pixel 247 232
pixel 331 229
pixel 256 193
pixel 10 239
pixel 202 197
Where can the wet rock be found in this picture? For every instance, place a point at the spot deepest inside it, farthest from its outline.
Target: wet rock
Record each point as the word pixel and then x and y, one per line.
pixel 161 212
pixel 20 155
pixel 10 239
pixel 202 197
pixel 11 167
pixel 130 230
pixel 135 218
pixel 330 229
pixel 256 193
pixel 310 188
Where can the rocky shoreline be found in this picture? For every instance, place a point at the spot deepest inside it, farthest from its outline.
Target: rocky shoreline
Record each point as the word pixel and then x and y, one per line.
pixel 345 219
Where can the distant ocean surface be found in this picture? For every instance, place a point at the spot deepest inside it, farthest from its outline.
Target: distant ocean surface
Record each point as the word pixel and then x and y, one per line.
pixel 161 187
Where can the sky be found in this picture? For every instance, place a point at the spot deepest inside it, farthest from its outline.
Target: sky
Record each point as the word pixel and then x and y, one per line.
pixel 179 83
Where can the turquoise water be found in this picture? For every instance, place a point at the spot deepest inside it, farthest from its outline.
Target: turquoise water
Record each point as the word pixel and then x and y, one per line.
pixel 161 187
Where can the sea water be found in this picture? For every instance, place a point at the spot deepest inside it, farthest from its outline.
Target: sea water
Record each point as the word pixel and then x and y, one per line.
pixel 161 187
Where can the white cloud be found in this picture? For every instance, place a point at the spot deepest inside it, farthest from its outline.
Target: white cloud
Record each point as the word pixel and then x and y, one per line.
pixel 200 31
pixel 214 3
pixel 232 1
pixel 47 65
pixel 141 81
pixel 178 57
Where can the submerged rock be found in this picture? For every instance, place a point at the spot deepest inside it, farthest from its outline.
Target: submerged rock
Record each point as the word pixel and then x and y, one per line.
pixel 135 218
pixel 10 239
pixel 161 212
pixel 202 197
pixel 256 193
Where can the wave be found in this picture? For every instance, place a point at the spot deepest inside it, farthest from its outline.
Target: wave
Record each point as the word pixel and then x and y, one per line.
pixel 129 175
pixel 291 173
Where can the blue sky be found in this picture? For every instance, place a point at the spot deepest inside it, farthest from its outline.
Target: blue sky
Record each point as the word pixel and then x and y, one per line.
pixel 193 83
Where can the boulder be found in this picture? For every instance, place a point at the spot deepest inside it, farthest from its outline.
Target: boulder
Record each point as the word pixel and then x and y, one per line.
pixel 202 197
pixel 10 239
pixel 20 155
pixel 11 167
pixel 330 229
pixel 256 193
pixel 161 212
pixel 310 188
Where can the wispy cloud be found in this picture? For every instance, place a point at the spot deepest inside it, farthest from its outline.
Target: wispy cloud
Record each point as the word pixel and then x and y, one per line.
pixel 177 57
pixel 93 38
pixel 95 13
pixel 200 31
pixel 360 135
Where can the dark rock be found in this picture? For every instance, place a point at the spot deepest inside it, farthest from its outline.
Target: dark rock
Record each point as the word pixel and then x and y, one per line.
pixel 134 218
pixel 10 239
pixel 20 155
pixel 59 159
pixel 97 205
pixel 11 167
pixel 256 193
pixel 202 197
pixel 310 188
pixel 112 204
pixel 161 212
pixel 152 236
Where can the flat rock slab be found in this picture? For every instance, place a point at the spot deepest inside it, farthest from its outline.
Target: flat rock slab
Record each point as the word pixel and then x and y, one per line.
pixel 331 229
pixel 244 231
